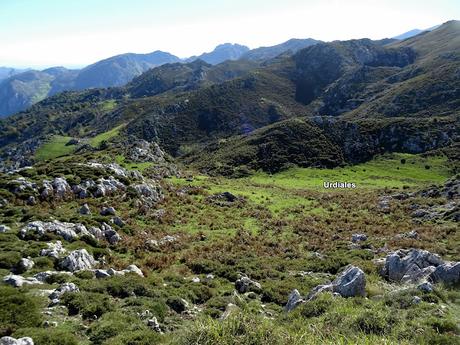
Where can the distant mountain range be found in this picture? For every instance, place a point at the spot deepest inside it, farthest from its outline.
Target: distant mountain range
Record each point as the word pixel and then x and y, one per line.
pixel 325 105
pixel 413 32
pixel 19 89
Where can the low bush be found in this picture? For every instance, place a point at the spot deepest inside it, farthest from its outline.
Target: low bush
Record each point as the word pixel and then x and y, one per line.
pixel 17 310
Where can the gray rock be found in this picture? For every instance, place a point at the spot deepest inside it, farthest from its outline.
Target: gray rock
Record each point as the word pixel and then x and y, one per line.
pixel 118 221
pixel 319 290
pixel 62 289
pixel 96 232
pixel 101 274
pixel 409 265
pixel 108 211
pixel 154 324
pixel 411 234
pixel 61 188
pixel 43 276
pixel 31 200
pixel 19 281
pixel 448 273
pixel 47 190
pixel 294 300
pixel 110 186
pixel 78 260
pixel 25 264
pixel 21 184
pixel 245 284
pixel 425 287
pixel 54 250
pixel 133 269
pixel 4 228
pixel 355 238
pixel 110 234
pixel 85 210
pixel 350 283
pixel 148 192
pixel 68 231
pixel 19 341
pixel 416 300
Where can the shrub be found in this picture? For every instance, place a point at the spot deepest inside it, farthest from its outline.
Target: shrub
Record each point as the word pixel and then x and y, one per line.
pixel 17 310
pixel 141 337
pixel 87 304
pixel 316 307
pixel 113 324
pixel 47 336
pixel 9 259
pixel 371 322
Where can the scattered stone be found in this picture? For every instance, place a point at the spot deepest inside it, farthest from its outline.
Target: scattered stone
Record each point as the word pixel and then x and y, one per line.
pixel 425 287
pixel 21 184
pixel 110 234
pixel 355 238
pixel 48 324
pixel 25 264
pixel 384 204
pixel 54 250
pixel 133 269
pixel 245 284
pixel 85 210
pixel 294 300
pixel 13 341
pixel 224 199
pixel 110 186
pixel 108 211
pixel 410 266
pixel 4 228
pixel 68 231
pixel 43 276
pixel 448 272
pixel 65 287
pixel 149 193
pixel 411 234
pixel 416 300
pixel 78 260
pixel 101 274
pixel 61 188
pixel 31 201
pixel 96 232
pixel 196 280
pixel 143 151
pixel 19 281
pixel 350 283
pixel 118 221
pixel 154 324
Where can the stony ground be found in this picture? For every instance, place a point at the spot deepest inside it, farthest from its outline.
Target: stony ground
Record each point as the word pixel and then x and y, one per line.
pixel 146 252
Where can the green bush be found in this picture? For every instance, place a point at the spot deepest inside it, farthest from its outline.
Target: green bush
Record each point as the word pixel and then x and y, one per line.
pixel 87 304
pixel 372 322
pixel 9 259
pixel 317 307
pixel 47 336
pixel 141 337
pixel 17 310
pixel 114 324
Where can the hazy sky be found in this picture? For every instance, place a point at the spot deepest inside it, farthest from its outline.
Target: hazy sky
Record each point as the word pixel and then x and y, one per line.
pixel 40 33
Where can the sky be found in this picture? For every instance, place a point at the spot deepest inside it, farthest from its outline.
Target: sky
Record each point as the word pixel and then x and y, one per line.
pixel 75 33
